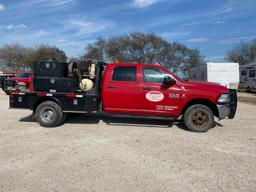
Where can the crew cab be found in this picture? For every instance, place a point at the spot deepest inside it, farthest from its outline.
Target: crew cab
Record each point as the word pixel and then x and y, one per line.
pixel 145 90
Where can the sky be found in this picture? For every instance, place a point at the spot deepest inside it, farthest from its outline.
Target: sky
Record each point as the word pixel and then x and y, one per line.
pixel 212 26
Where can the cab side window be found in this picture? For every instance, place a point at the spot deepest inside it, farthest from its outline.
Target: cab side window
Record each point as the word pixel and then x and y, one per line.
pixel 252 73
pixel 244 72
pixel 127 74
pixel 153 75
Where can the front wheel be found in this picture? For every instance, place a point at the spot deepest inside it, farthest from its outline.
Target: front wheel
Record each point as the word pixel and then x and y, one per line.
pixel 199 118
pixel 49 114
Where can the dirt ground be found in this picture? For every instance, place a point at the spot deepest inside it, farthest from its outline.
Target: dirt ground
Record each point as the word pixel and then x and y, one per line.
pixel 247 97
pixel 99 153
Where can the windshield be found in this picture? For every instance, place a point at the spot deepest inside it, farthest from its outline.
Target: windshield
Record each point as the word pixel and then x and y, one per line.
pixel 23 75
pixel 4 76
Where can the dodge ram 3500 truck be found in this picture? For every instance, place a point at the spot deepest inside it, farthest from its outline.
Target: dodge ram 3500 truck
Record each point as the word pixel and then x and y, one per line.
pixel 145 90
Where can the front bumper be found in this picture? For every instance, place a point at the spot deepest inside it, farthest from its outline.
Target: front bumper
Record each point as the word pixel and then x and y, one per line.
pixel 229 109
pixel 224 111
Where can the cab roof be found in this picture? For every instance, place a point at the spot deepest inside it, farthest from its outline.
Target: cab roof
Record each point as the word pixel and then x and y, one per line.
pixel 134 64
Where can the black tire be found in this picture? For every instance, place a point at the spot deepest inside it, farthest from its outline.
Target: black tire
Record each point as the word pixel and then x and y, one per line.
pixel 64 117
pixel 199 118
pixel 49 114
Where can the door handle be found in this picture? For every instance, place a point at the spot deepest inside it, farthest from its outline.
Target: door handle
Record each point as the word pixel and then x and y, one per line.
pixel 111 87
pixel 146 88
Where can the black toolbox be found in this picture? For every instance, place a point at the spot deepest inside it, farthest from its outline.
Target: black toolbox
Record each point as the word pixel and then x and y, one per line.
pixel 50 69
pixel 53 85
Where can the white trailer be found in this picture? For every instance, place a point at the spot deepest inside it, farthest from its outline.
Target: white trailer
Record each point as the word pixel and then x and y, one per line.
pixel 226 74
pixel 248 77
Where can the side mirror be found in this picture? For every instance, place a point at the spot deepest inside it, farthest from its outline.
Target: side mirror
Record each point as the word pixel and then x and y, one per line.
pixel 169 81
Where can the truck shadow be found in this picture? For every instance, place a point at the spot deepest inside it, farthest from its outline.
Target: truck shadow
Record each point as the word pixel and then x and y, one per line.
pixel 118 121
pixel 113 121
pixel 121 121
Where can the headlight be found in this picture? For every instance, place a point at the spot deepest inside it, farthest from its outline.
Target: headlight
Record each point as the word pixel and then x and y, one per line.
pixel 224 98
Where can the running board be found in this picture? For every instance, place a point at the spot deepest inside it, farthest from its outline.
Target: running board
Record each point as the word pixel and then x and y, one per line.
pixel 142 117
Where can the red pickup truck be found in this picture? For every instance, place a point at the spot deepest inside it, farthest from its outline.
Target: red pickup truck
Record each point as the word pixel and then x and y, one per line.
pixel 19 82
pixel 145 90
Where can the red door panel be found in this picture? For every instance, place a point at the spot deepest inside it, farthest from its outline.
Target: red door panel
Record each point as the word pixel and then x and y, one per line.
pixel 159 100
pixel 121 97
pixel 121 90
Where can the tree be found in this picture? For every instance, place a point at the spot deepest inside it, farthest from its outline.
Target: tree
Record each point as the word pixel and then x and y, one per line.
pixel 98 50
pixel 244 53
pixel 15 55
pixel 45 53
pixel 145 48
pixel 186 59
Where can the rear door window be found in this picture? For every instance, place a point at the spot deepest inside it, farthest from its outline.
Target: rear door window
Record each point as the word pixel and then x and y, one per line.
pixel 244 72
pixel 252 73
pixel 124 73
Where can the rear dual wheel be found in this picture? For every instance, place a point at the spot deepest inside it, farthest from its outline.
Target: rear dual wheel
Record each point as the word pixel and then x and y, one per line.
pixel 199 118
pixel 49 114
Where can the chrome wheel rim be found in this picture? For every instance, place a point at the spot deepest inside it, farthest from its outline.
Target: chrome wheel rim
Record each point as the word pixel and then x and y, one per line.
pixel 47 115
